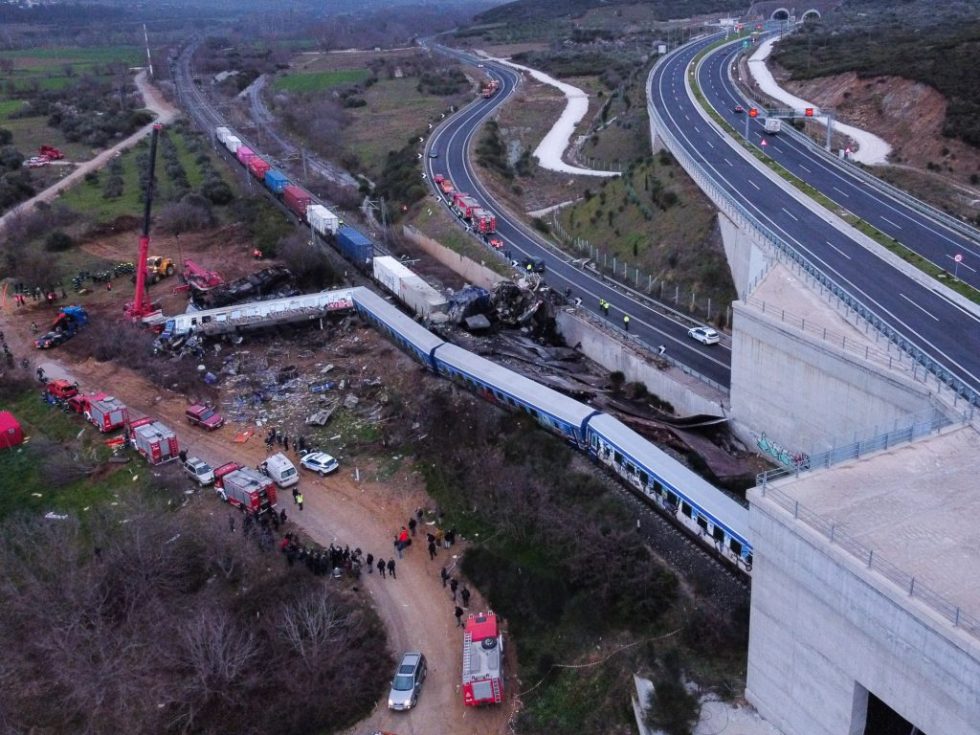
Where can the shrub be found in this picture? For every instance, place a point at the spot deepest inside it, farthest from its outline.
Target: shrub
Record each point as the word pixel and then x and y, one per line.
pixel 58 241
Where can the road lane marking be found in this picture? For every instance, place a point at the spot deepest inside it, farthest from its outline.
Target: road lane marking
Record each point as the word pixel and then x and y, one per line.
pixel 806 169
pixel 776 148
pixel 838 249
pixel 890 222
pixel 710 143
pixel 919 307
pixel 790 214
pixel 728 162
pixel 697 129
pixel 844 193
pixel 754 184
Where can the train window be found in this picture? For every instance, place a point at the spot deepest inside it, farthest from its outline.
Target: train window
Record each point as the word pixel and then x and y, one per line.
pixel 643 478
pixel 658 488
pixel 718 534
pixel 672 499
pixel 630 468
pixel 736 547
pixel 702 523
pixel 686 509
pixel 532 412
pixel 618 457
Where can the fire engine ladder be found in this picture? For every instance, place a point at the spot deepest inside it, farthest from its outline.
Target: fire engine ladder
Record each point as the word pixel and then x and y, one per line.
pixel 467 654
pixel 495 684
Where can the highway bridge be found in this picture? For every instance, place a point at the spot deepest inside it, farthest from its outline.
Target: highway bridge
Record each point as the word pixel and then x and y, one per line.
pixel 938 330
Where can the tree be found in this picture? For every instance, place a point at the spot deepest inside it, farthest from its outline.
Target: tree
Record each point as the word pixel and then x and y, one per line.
pixel 6 137
pixel 58 241
pixel 191 213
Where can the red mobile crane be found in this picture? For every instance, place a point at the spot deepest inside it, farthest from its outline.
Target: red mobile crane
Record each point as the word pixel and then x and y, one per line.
pixel 141 306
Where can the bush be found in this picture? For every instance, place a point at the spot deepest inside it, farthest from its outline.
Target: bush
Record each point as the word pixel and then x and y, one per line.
pixel 58 242
pixel 217 191
pixel 671 708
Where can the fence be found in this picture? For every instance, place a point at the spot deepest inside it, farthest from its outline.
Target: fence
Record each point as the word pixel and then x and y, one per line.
pixel 800 265
pixel 920 424
pixel 653 286
pixel 904 581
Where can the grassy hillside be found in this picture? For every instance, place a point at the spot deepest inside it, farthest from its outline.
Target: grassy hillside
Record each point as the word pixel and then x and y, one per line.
pixel 933 43
pixel 535 10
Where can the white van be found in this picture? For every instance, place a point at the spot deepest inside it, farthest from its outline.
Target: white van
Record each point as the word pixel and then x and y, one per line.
pixel 280 469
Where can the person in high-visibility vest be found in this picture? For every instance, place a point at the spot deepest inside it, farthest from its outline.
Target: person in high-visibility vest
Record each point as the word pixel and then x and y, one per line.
pixel 626 322
pixel 529 268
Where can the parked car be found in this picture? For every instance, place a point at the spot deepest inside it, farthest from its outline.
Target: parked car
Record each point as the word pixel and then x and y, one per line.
pixel 199 471
pixel 51 339
pixel 407 684
pixel 204 416
pixel 319 462
pixel 704 335
pixel 36 162
pixel 536 265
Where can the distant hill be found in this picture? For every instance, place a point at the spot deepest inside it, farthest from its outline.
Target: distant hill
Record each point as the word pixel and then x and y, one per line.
pixel 538 10
pixel 926 41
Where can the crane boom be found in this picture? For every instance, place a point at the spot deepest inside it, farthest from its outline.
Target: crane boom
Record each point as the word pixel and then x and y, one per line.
pixel 140 306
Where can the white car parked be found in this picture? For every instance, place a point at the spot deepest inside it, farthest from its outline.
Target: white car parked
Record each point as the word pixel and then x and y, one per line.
pixel 199 470
pixel 704 335
pixel 319 462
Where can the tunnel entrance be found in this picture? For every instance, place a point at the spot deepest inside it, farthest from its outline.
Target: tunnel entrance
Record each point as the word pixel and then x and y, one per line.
pixel 883 720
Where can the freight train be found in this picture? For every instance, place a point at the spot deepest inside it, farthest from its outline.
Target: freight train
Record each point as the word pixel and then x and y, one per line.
pixel 718 522
pixel 352 244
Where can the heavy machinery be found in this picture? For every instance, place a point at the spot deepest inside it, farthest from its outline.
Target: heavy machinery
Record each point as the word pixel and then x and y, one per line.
pixel 50 152
pixel 69 320
pixel 200 278
pixel 159 267
pixel 141 306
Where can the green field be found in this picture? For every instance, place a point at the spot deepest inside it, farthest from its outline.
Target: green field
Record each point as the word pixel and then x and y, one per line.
pixel 320 80
pixel 8 107
pixel 55 68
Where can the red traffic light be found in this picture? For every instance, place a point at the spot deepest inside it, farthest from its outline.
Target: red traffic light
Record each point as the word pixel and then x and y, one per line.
pixel 809 112
pixel 753 112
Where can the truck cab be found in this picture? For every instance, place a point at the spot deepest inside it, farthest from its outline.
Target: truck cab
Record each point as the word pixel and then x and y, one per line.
pixel 280 470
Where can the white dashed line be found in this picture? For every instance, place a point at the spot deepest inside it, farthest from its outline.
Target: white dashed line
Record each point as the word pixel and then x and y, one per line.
pixel 838 249
pixel 728 162
pixel 843 193
pixel 790 214
pixel 754 184
pixel 891 223
pixel 918 307
pixel 806 169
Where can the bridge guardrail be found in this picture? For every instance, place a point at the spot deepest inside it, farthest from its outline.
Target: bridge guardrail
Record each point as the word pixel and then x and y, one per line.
pixel 788 255
pixel 903 580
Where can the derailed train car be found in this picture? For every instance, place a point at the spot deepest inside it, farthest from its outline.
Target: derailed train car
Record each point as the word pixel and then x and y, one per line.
pixel 702 510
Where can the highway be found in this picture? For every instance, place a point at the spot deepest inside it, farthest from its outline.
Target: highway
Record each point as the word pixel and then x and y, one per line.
pixel 931 238
pixel 649 324
pixel 928 319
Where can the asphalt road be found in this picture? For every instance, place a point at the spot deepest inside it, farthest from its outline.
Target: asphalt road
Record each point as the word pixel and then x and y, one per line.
pixel 932 238
pixel 925 317
pixel 650 325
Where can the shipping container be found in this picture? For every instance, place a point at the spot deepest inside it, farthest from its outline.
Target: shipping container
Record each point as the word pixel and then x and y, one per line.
pixel 258 167
pixel 297 200
pixel 233 143
pixel 276 180
pixel 405 285
pixel 322 220
pixel 244 154
pixel 355 246
pixel 222 134
pixel 156 442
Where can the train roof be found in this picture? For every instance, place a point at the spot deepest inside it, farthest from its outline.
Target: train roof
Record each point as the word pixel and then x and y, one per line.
pixel 508 382
pixel 679 478
pixel 393 317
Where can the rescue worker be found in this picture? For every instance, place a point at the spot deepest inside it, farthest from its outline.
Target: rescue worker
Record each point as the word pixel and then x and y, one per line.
pixel 626 322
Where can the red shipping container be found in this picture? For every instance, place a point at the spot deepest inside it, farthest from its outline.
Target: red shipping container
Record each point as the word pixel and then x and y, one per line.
pixel 258 167
pixel 297 200
pixel 244 154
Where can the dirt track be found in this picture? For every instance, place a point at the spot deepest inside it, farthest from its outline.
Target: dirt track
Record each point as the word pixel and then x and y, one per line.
pixel 154 102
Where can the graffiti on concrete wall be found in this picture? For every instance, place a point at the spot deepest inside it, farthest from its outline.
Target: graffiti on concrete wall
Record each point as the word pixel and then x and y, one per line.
pixel 798 460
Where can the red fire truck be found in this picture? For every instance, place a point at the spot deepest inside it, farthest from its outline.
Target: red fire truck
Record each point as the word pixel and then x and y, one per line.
pixel 483 660
pixel 245 488
pixel 156 442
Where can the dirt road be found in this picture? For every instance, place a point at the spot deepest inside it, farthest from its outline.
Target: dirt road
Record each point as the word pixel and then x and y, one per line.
pixel 153 101
pixel 365 512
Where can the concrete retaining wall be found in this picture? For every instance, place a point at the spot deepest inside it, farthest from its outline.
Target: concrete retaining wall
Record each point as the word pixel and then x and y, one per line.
pixel 824 632
pixel 473 272
pixel 806 394
pixel 688 395
pixel 746 260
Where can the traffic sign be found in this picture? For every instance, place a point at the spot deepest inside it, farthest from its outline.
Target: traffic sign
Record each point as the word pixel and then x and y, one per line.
pixel 809 112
